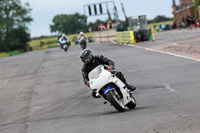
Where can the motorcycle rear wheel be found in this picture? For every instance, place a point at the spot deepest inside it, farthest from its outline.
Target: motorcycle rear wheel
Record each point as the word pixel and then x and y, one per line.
pixel 112 98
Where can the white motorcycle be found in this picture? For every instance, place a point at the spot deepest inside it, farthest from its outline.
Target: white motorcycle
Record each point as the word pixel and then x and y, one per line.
pixel 111 88
pixel 64 44
pixel 83 42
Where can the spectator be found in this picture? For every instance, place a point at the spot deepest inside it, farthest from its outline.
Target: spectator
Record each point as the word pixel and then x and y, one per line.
pixel 164 26
pixel 192 21
pixel 117 24
pixel 113 25
pixel 160 27
pixel 174 25
pixel 182 19
pixel 187 21
pixel 182 23
pixel 102 27
pixel 109 25
pixel 197 23
pixel 138 26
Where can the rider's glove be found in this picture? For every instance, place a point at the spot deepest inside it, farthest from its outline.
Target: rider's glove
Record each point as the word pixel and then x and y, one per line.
pixel 58 43
pixel 110 67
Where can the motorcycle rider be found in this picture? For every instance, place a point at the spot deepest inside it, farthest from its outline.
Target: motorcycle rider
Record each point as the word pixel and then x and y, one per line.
pixel 82 37
pixel 63 37
pixel 90 62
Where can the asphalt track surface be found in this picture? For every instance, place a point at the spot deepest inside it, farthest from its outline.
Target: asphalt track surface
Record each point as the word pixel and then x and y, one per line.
pixel 43 92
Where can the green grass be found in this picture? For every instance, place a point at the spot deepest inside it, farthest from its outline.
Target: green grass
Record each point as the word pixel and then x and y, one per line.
pixel 5 54
pixel 52 41
pixel 13 52
pixel 37 42
pixel 157 24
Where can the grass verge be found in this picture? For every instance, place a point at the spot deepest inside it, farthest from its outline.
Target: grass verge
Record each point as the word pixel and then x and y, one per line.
pixel 157 24
pixel 51 41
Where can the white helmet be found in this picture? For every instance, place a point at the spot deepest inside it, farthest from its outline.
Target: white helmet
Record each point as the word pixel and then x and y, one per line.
pixel 63 35
pixel 81 33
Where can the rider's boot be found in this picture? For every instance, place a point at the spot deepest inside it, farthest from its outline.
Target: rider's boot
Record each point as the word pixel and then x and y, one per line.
pixel 131 87
pixel 121 76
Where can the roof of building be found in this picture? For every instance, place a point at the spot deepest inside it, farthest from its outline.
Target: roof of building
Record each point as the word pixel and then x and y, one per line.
pixel 184 8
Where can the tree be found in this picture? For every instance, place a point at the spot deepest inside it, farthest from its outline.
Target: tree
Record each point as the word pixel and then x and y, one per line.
pixel 68 24
pixel 159 18
pixel 196 4
pixel 13 25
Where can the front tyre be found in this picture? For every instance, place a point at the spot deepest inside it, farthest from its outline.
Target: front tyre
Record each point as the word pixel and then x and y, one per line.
pixel 65 47
pixel 112 98
pixel 132 103
pixel 84 46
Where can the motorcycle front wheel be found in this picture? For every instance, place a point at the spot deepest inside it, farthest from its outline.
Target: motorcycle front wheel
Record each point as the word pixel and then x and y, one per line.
pixel 112 98
pixel 65 49
pixel 84 46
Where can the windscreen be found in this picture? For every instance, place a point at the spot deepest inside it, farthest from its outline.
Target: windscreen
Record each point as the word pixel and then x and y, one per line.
pixel 95 72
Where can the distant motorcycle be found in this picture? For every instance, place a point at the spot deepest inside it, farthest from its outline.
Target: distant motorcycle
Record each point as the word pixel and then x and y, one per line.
pixel 111 88
pixel 83 43
pixel 64 44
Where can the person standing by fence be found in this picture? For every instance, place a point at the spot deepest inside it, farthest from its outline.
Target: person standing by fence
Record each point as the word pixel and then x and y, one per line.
pixel 192 21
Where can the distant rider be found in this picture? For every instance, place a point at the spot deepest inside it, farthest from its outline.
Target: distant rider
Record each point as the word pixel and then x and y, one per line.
pixel 82 37
pixel 90 62
pixel 62 37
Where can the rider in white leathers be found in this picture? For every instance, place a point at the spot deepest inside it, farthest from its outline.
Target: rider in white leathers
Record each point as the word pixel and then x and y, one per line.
pixel 62 37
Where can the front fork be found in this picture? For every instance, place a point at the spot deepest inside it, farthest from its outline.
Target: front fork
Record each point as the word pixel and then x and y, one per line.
pixel 117 95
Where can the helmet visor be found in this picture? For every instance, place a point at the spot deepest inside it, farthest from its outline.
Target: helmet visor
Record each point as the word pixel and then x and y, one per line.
pixel 87 59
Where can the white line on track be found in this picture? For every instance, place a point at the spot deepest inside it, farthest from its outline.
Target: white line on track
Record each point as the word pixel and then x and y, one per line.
pixel 168 87
pixel 37 107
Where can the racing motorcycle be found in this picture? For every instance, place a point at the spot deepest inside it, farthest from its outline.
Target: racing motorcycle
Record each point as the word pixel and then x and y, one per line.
pixel 83 43
pixel 111 88
pixel 64 44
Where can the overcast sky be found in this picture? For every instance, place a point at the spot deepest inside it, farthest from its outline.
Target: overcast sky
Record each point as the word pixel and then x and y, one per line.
pixel 44 11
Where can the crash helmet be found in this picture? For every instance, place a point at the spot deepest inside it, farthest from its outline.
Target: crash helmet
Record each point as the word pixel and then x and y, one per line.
pixel 63 35
pixel 81 33
pixel 86 56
